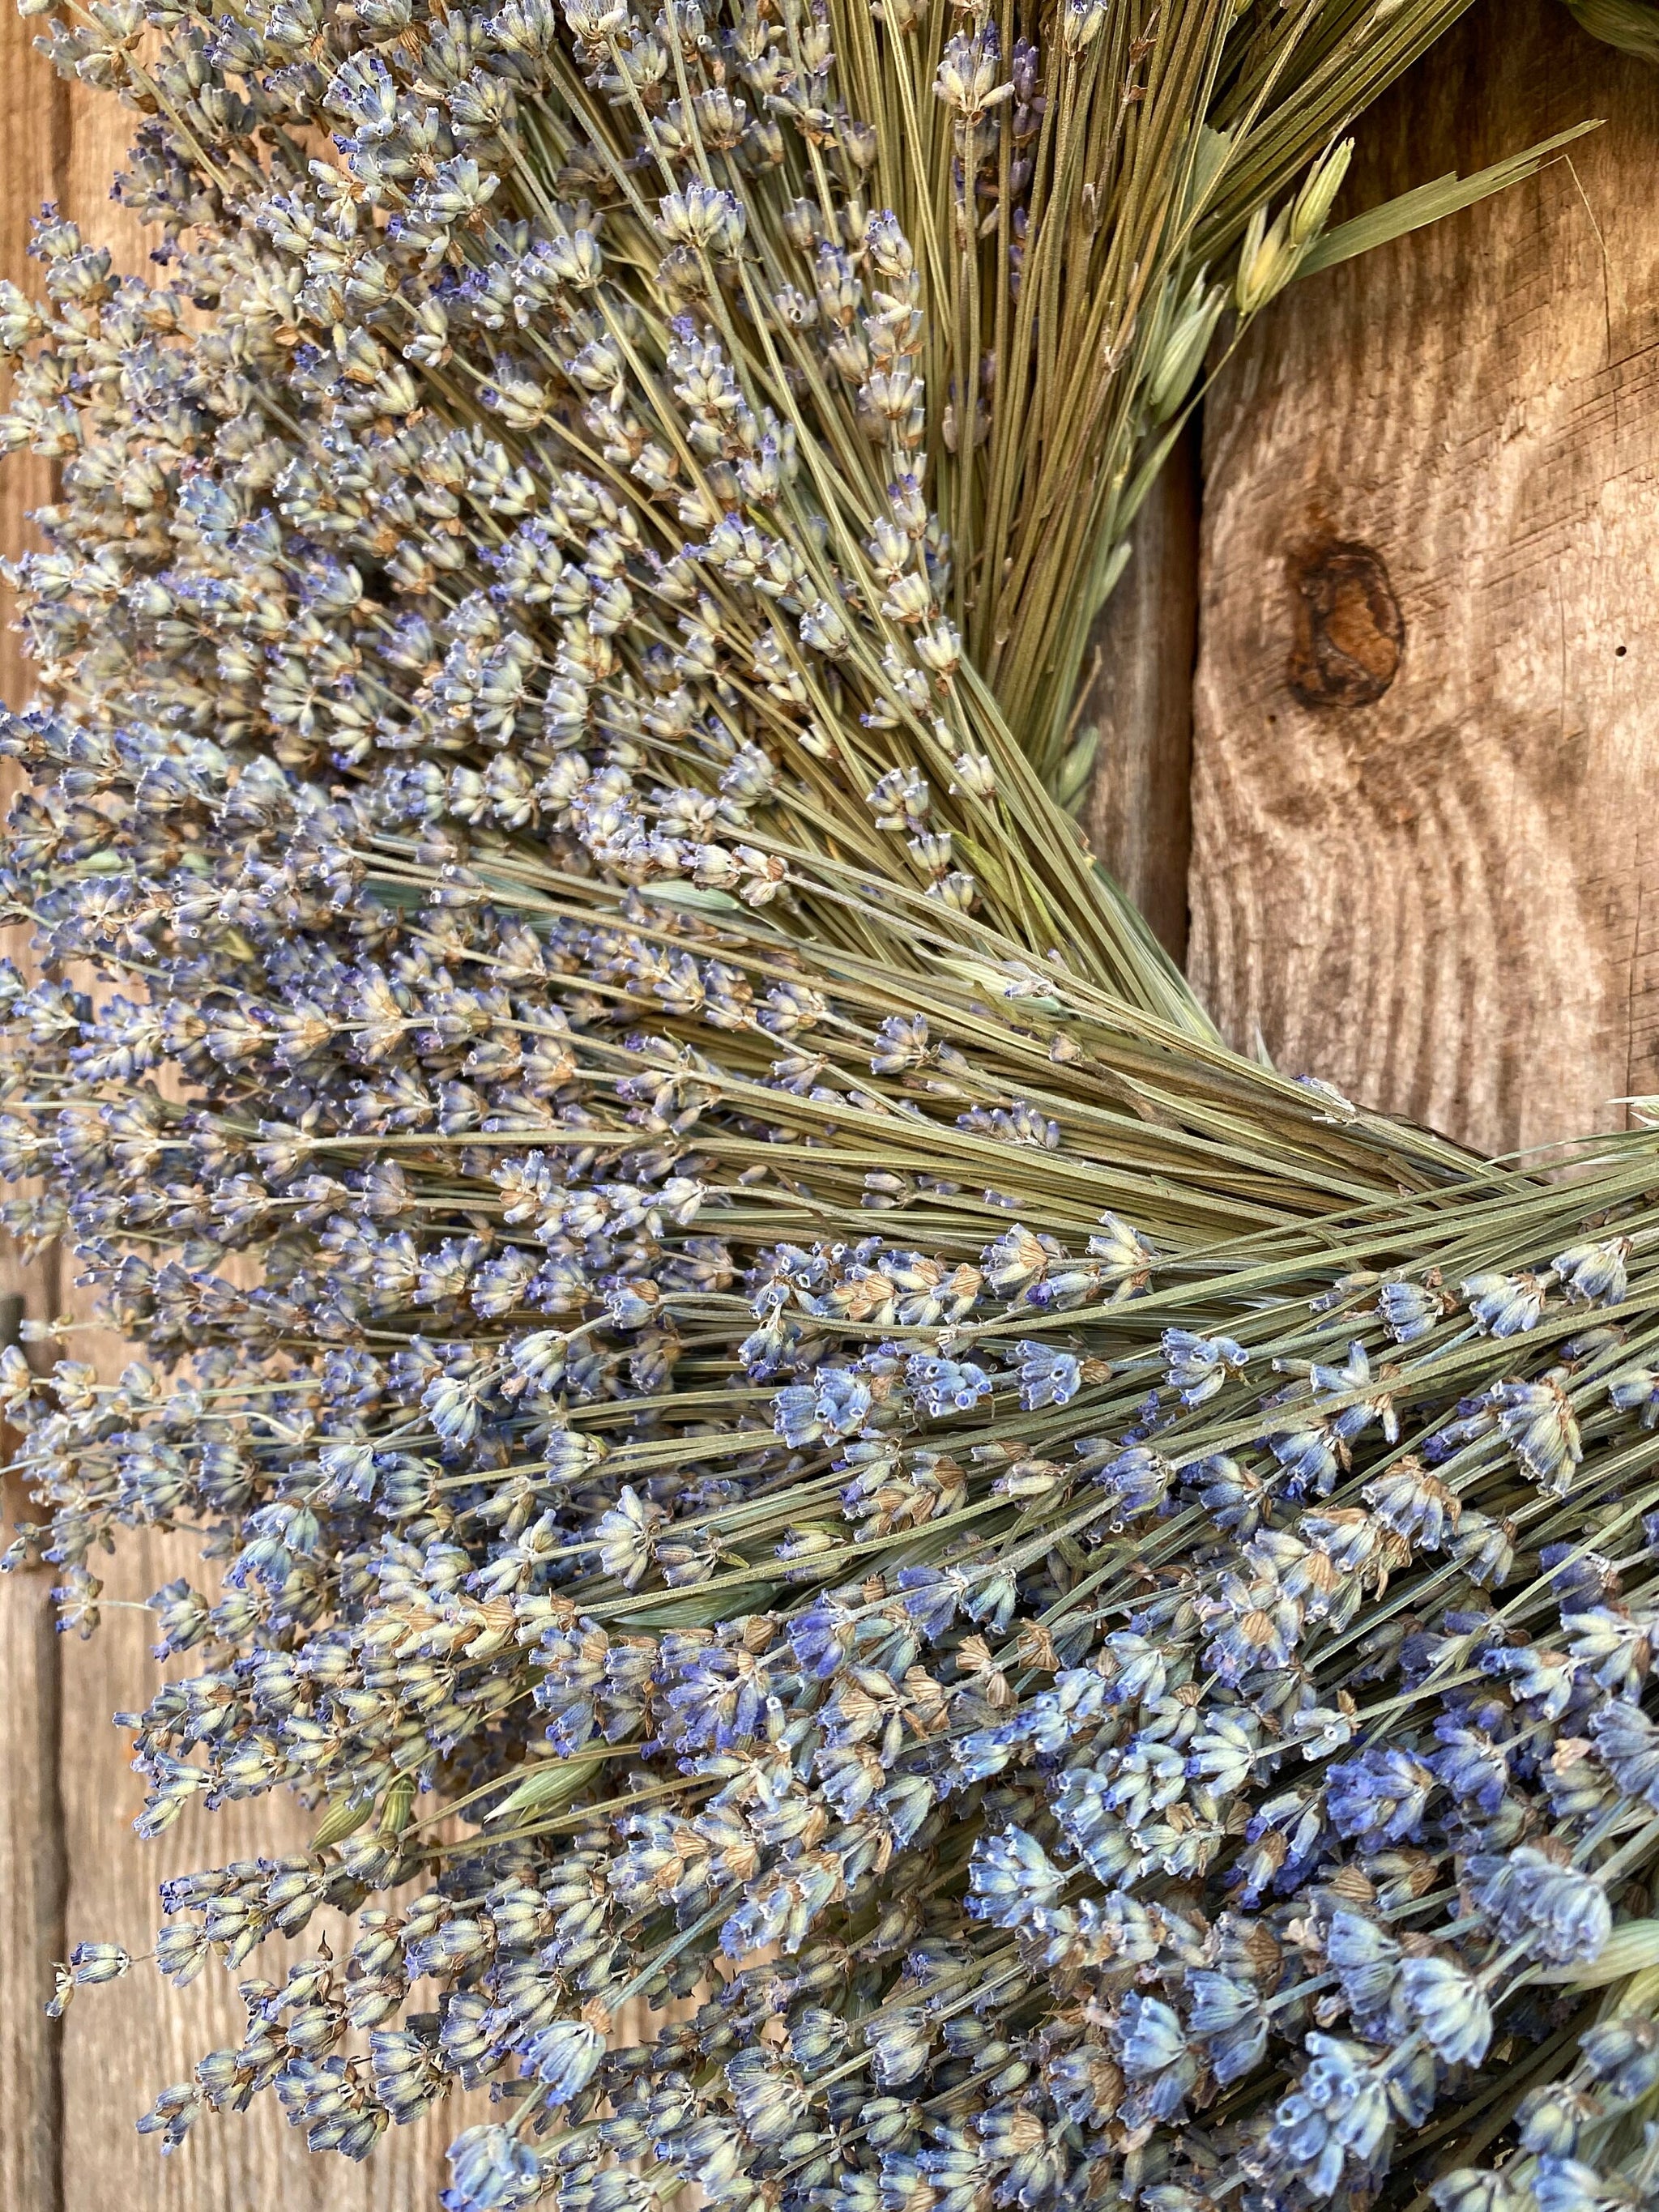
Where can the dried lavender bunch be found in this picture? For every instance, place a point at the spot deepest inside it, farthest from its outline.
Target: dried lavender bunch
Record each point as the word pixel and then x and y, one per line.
pixel 1124 1682
pixel 1151 1723
pixel 1060 196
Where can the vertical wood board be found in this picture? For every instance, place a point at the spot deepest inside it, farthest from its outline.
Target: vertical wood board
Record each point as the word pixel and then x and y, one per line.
pixel 1139 695
pixel 1426 743
pixel 71 1867
pixel 33 1862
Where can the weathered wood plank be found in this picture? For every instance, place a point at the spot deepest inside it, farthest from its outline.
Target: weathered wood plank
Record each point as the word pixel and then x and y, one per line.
pixel 1445 897
pixel 70 1864
pixel 1139 696
pixel 33 136
pixel 32 1883
pixel 125 2041
pixel 122 2043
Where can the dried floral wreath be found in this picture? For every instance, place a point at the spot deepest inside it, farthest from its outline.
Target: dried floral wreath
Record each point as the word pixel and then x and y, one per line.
pixel 775 1422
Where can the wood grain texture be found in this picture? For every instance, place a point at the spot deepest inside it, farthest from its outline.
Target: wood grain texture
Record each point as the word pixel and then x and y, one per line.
pixel 71 1867
pixel 1437 884
pixel 33 1871
pixel 32 1887
pixel 125 2041
pixel 1139 696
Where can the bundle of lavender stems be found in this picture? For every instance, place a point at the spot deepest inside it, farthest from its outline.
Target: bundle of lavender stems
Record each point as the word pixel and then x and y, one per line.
pixel 898 1583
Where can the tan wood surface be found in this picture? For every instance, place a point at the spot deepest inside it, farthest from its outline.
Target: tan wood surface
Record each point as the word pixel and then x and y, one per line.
pixel 71 1867
pixel 33 1870
pixel 1445 897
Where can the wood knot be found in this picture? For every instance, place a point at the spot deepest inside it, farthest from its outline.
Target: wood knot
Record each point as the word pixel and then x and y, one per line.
pixel 1349 630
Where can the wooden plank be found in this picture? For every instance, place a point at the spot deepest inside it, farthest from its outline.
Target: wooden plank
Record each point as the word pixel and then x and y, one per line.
pixel 71 1867
pixel 125 2041
pixel 1140 697
pixel 32 1884
pixel 32 1872
pixel 1437 883
pixel 122 2043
